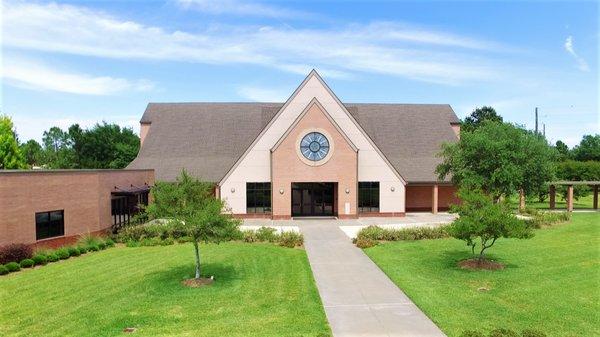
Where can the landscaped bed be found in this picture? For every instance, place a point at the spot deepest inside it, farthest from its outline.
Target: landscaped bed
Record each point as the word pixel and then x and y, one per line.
pixel 259 290
pixel 550 282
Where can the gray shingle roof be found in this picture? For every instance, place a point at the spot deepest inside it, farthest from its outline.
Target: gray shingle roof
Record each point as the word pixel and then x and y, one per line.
pixel 208 138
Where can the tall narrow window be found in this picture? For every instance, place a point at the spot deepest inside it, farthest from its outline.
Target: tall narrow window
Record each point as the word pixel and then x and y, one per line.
pixel 49 224
pixel 368 196
pixel 258 197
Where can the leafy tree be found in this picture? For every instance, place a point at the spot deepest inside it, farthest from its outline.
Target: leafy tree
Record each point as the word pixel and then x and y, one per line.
pixel 588 148
pixel 563 152
pixel 478 116
pixel 482 221
pixel 32 151
pixel 193 209
pixel 58 152
pixel 499 158
pixel 10 154
pixel 104 146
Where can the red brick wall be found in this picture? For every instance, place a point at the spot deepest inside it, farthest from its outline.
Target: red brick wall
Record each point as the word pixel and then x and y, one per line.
pixel 84 195
pixel 419 198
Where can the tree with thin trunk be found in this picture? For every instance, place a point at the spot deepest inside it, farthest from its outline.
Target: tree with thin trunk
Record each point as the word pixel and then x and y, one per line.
pixel 192 210
pixel 482 222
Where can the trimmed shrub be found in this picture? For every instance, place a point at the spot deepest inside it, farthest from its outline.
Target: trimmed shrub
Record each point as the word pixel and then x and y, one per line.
pixel 40 259
pixel 375 233
pixel 73 251
pixel 3 270
pixel 541 219
pixel 27 263
pixel 102 245
pixel 132 243
pixel 53 257
pixel 12 266
pixel 290 239
pixel 93 248
pixel 364 242
pixel 155 241
pixel 266 234
pixel 63 253
pixel 501 332
pixel 167 242
pixel 471 333
pixel 533 333
pixel 109 242
pixel 15 252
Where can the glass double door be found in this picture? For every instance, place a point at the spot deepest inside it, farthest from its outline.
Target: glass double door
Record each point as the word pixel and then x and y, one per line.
pixel 313 199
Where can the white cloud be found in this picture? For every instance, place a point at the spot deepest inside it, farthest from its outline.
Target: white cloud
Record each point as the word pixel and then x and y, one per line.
pixel 383 48
pixel 259 94
pixel 581 63
pixel 241 8
pixel 37 76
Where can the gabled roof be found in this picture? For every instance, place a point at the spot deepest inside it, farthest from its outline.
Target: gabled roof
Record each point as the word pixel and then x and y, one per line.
pixel 208 138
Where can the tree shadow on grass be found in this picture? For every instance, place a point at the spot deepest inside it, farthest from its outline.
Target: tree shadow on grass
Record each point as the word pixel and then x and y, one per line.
pixel 224 274
pixel 449 259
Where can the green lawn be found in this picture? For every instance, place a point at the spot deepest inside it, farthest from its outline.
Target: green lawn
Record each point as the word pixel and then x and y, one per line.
pixel 552 282
pixel 260 290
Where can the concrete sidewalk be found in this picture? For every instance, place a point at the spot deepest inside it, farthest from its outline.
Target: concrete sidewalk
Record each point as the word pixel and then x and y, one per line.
pixel 359 299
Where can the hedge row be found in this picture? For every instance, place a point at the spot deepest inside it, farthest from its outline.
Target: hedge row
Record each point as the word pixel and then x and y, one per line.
pixel 163 234
pixel 542 219
pixel 370 236
pixel 43 257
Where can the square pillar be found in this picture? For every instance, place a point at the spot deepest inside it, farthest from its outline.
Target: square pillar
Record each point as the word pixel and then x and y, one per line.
pixel 434 199
pixel 570 198
pixel 552 197
pixel 595 197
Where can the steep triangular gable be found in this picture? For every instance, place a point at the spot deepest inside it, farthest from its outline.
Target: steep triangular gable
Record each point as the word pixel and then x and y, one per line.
pixel 312 87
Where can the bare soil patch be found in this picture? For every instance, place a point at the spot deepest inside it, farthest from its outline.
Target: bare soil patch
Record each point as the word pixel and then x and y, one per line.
pixel 480 264
pixel 197 282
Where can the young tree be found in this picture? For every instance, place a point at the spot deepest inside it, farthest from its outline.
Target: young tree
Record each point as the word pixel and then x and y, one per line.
pixel 32 151
pixel 478 116
pixel 500 159
pixel 588 148
pixel 482 221
pixel 193 210
pixel 10 154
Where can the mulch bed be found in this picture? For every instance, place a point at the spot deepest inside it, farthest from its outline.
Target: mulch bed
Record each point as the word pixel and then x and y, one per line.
pixel 197 282
pixel 480 264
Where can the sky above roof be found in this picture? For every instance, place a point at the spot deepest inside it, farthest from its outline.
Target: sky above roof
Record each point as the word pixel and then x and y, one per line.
pixel 84 62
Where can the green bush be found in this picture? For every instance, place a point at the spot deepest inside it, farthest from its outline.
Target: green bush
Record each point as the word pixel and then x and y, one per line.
pixel 27 263
pixel 40 259
pixel 501 332
pixel 376 233
pixel 12 266
pixel 63 253
pixel 53 257
pixel 183 239
pixel 289 239
pixel 533 333
pixel 102 245
pixel 132 243
pixel 93 248
pixel 155 241
pixel 167 242
pixel 3 270
pixel 82 249
pixel 472 333
pixel 266 234
pixel 541 219
pixel 73 251
pixel 87 240
pixel 109 242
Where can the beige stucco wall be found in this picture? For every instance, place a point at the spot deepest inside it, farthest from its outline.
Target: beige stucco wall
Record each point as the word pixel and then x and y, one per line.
pixel 288 166
pixel 255 166
pixel 144 129
pixel 84 195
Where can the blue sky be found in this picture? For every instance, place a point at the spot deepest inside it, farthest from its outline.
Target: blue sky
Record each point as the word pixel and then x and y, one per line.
pixel 86 61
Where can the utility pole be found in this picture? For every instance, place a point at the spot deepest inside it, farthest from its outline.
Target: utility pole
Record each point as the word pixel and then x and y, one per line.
pixel 536 120
pixel 544 128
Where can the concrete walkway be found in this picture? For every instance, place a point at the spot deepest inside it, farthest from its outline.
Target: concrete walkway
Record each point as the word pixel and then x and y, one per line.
pixel 359 299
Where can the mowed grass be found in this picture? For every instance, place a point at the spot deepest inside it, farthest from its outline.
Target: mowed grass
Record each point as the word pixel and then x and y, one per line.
pixel 551 283
pixel 259 290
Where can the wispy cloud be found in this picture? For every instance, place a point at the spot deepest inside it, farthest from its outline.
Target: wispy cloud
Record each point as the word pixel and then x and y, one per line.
pixel 382 48
pixel 259 94
pixel 38 76
pixel 581 63
pixel 242 8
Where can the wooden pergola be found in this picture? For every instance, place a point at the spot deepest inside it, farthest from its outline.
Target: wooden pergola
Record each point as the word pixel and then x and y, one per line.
pixel 570 184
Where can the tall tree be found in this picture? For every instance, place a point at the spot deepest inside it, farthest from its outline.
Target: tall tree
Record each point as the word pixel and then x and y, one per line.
pixel 193 209
pixel 10 154
pixel 104 146
pixel 58 152
pixel 478 117
pixel 563 152
pixel 588 148
pixel 32 151
pixel 499 158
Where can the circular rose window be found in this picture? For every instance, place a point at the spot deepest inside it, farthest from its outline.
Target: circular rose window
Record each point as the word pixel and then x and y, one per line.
pixel 314 146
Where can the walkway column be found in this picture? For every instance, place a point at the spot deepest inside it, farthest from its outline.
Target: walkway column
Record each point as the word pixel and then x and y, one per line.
pixel 570 198
pixel 434 200
pixel 521 200
pixel 552 197
pixel 595 197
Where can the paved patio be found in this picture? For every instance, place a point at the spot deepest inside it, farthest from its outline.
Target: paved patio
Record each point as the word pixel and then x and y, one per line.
pixel 359 299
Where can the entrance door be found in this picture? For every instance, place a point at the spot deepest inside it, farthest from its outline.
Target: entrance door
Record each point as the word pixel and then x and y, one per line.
pixel 313 199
